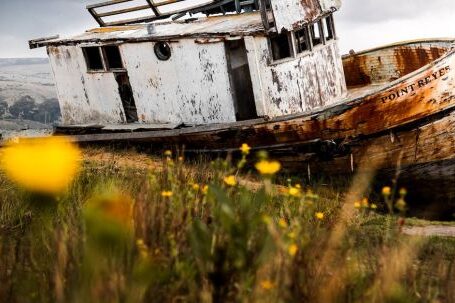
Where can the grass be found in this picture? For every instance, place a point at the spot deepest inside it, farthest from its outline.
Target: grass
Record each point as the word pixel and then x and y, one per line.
pixel 133 228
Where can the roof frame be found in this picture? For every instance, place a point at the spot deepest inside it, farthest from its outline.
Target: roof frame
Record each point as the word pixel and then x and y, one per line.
pixel 155 6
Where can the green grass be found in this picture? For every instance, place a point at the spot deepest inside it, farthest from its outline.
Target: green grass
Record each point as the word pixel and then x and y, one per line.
pixel 247 243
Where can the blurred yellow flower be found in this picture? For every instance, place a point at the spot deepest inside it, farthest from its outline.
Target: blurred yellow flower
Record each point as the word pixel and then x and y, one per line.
pixel 282 223
pixel 166 194
pixel 230 180
pixel 205 189
pixel 365 203
pixel 245 148
pixel 168 153
pixel 293 249
pixel 357 205
pixel 387 191
pixel 403 192
pixel 195 187
pixel 267 285
pixel 373 206
pixel 45 165
pixel 319 216
pixel 181 159
pixel 294 192
pixel 268 168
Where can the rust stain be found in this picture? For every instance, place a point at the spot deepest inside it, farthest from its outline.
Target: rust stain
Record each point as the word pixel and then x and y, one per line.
pixel 112 29
pixel 355 69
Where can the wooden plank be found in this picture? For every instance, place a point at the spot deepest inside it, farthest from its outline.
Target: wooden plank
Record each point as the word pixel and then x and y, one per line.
pixel 106 3
pixel 124 11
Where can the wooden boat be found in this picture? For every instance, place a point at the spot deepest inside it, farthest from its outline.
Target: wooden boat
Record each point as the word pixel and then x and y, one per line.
pixel 398 109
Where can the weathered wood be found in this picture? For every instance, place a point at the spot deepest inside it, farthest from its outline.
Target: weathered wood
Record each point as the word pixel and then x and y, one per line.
pixel 429 92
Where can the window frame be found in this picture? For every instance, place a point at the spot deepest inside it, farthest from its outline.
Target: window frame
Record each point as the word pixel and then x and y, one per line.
pixel 291 45
pixel 87 60
pixel 106 60
pixel 106 68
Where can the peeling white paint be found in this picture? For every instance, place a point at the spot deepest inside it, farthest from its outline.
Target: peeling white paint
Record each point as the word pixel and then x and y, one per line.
pixel 191 87
pixel 295 85
pixel 291 14
pixel 84 97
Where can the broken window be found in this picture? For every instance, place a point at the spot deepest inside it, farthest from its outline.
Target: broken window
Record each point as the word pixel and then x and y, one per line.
pixel 281 46
pixel 113 57
pixel 316 33
pixel 302 40
pixel 93 58
pixel 329 28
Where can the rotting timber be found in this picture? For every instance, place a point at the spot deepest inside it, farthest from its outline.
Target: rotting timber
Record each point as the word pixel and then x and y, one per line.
pixel 268 74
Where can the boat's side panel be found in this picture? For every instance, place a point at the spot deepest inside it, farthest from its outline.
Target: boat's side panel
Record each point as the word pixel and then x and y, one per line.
pixel 296 85
pixel 191 87
pixel 84 97
pixel 385 65
pixel 291 14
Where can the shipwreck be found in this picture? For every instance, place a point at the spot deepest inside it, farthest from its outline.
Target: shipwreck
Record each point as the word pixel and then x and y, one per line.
pixel 213 74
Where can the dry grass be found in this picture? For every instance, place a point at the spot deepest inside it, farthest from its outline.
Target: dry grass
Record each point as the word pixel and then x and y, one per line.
pixel 135 228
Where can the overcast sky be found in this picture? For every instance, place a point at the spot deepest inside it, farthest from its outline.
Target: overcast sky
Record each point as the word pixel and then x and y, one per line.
pixel 360 23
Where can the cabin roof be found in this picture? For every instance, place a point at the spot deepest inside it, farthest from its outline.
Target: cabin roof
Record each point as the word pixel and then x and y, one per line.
pixel 214 26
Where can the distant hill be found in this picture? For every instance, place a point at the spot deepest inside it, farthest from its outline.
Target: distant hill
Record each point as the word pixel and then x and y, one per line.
pixel 21 77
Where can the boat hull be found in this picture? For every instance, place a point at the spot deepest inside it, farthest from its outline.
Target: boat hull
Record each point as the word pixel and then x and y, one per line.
pixel 408 123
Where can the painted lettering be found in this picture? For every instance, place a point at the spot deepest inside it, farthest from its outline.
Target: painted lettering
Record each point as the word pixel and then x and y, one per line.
pixel 415 86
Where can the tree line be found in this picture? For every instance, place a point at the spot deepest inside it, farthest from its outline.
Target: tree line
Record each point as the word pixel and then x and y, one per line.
pixel 28 109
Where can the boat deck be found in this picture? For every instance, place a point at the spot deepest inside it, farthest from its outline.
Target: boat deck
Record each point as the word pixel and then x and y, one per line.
pixel 361 91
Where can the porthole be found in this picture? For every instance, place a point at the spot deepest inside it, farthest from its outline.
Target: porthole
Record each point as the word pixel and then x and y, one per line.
pixel 162 51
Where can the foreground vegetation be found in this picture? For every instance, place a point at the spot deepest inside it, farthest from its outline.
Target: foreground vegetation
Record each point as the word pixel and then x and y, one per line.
pixel 132 228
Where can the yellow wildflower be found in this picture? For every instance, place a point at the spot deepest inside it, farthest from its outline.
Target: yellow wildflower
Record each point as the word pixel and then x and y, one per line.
pixel 365 203
pixel 282 223
pixel 181 159
pixel 298 186
pixel 319 216
pixel 268 168
pixel 386 191
pixel 294 192
pixel 401 205
pixel 293 249
pixel 266 219
pixel 168 153
pixel 373 206
pixel 166 194
pixel 205 189
pixel 245 148
pixel 267 285
pixel 230 181
pixel 403 192
pixel 357 205
pixel 195 187
pixel 46 165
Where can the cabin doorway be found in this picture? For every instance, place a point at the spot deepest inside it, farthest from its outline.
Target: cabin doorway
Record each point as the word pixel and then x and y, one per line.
pixel 240 77
pixel 126 95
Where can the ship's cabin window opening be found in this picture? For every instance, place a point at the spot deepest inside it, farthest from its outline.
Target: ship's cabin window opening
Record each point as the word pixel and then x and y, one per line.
pixel 329 28
pixel 113 57
pixel 317 34
pixel 302 39
pixel 93 58
pixel 281 46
